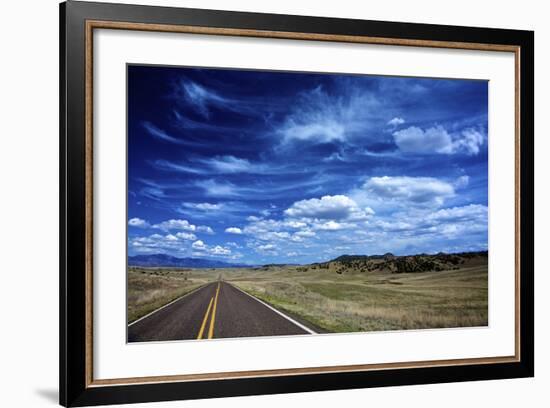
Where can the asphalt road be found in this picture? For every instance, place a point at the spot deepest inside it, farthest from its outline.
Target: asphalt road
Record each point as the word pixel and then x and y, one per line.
pixel 216 310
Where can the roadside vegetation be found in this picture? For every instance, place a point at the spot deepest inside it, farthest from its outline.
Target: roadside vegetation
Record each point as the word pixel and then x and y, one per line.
pixel 151 288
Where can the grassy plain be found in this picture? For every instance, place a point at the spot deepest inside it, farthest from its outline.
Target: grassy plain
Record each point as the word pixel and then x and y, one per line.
pixel 347 296
pixel 372 301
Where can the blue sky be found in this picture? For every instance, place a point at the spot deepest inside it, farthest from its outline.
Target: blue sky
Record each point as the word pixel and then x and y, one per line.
pixel 279 167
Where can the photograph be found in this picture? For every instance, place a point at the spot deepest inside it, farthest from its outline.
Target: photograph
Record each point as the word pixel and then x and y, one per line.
pixel 278 203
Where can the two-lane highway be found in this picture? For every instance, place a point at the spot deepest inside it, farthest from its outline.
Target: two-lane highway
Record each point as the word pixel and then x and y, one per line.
pixel 216 310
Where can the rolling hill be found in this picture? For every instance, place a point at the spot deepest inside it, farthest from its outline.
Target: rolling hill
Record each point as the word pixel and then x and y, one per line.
pixel 404 264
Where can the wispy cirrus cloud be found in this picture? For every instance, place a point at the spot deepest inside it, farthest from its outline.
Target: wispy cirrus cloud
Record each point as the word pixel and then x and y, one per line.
pixel 232 164
pixel 226 164
pixel 319 117
pixel 216 188
pixel 152 190
pixel 228 210
pixel 167 165
pixel 200 97
pixel 204 100
pixel 203 206
pixel 162 135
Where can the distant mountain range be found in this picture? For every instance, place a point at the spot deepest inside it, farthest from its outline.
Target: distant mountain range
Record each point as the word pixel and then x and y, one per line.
pixel 163 260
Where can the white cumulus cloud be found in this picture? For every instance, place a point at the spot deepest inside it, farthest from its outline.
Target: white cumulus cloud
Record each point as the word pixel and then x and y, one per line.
pixel 396 121
pixel 216 250
pixel 198 245
pixel 182 225
pixel 470 141
pixel 337 207
pixel 332 226
pixel 415 140
pixel 186 236
pixel 138 222
pixel 412 190
pixel 438 140
pixel 219 250
pixel 233 230
pixel 175 225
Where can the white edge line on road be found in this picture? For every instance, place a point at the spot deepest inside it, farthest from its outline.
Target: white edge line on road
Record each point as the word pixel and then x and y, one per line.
pixel 166 305
pixel 290 319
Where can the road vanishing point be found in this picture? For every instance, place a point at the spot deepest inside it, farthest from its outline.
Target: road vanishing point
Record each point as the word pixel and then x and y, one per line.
pixel 215 310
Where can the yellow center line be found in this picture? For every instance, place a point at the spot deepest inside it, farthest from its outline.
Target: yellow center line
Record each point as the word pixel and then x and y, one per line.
pixel 205 319
pixel 211 330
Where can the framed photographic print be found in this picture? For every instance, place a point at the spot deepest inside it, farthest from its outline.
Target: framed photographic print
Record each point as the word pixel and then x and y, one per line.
pixel 255 203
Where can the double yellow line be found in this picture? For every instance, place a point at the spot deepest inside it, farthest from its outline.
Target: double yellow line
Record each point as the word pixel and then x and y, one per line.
pixel 211 306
